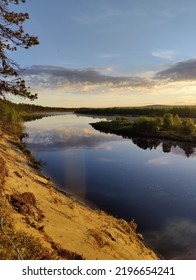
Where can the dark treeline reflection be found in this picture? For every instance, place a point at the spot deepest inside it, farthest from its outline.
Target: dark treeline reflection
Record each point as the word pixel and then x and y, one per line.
pixel 150 143
pixel 29 118
pixel 39 116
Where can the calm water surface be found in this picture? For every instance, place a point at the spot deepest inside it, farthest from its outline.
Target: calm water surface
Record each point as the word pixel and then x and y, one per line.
pixel 154 182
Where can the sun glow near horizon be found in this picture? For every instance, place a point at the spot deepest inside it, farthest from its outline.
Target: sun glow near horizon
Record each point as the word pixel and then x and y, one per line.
pixel 176 93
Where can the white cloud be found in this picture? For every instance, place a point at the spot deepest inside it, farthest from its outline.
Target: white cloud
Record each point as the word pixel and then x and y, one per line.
pixel 110 55
pixel 100 17
pixel 164 54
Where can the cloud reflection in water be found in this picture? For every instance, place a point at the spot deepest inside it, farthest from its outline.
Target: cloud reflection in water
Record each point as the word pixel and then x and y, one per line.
pixel 63 138
pixel 175 240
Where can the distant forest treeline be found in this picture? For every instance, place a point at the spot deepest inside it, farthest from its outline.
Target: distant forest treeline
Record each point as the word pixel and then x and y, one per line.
pixel 22 107
pixel 181 111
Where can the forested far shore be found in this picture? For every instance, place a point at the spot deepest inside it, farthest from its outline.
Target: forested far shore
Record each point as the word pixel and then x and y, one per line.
pixel 23 107
pixel 151 111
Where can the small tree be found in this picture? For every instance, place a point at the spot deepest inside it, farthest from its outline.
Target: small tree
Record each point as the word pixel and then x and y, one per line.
pixel 188 126
pixel 168 121
pixel 148 124
pixel 159 122
pixel 12 36
pixel 177 122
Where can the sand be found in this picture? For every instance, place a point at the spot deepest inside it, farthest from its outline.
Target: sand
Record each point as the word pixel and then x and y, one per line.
pixel 38 208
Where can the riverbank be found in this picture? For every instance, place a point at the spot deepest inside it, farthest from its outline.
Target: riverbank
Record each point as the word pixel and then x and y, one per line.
pixel 35 217
pixel 148 129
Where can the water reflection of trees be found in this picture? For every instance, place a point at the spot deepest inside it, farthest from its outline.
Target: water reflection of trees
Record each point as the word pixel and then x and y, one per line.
pixel 34 117
pixel 150 143
pixel 146 143
pixel 188 149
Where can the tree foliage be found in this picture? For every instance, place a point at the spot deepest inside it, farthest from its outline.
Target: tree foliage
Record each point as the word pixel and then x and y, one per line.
pixel 12 36
pixel 148 124
pixel 168 120
pixel 177 122
pixel 182 111
pixel 188 126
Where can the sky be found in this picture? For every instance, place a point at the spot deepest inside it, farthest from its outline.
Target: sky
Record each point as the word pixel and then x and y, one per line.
pixel 106 53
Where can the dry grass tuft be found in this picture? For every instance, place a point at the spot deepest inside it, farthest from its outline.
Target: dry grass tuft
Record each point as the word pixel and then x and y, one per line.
pixel 98 237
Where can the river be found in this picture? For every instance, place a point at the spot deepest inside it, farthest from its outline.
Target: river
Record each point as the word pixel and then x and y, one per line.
pixel 150 181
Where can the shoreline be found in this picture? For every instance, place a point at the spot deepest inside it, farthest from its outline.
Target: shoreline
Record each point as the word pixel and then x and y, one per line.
pixel 65 227
pixel 106 127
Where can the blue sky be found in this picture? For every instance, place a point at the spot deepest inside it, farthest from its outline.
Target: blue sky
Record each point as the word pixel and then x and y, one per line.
pixel 102 53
